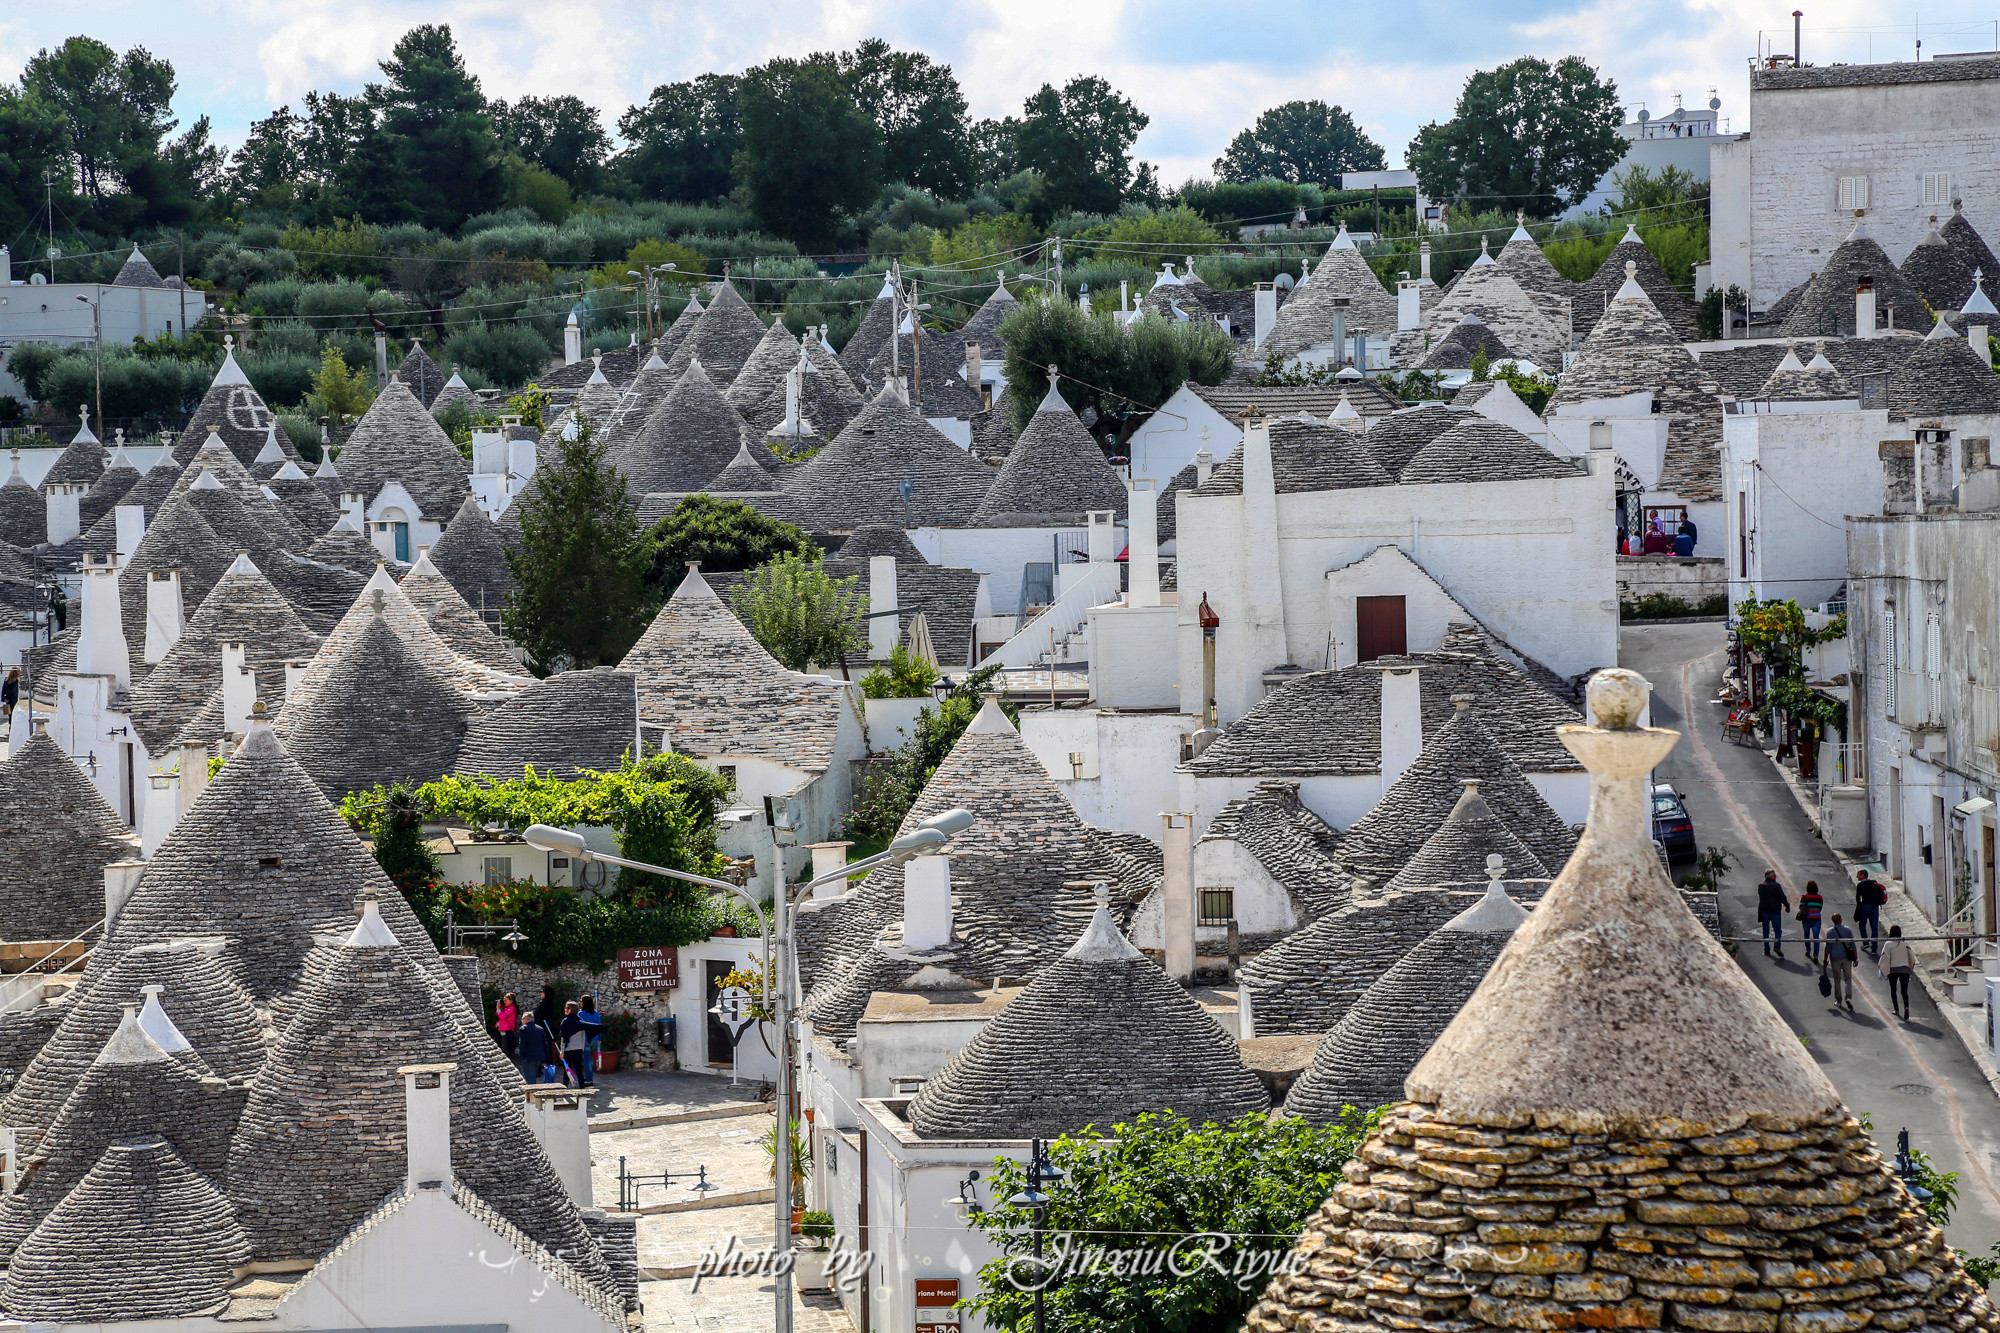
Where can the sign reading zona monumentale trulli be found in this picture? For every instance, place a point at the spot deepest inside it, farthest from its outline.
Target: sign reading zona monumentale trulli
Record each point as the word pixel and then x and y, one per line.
pixel 650 968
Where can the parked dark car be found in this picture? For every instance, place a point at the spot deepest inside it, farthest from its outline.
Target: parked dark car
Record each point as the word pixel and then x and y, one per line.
pixel 1673 828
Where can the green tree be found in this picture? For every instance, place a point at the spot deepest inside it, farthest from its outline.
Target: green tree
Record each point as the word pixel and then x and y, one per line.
pixel 920 113
pixel 800 613
pixel 561 135
pixel 447 155
pixel 724 536
pixel 1527 135
pixel 1159 1183
pixel 114 109
pixel 580 597
pixel 684 140
pixel 1156 237
pixel 1123 371
pixel 32 141
pixel 541 192
pixel 349 248
pixel 338 392
pixel 1300 142
pixel 1080 140
pixel 810 153
pixel 994 155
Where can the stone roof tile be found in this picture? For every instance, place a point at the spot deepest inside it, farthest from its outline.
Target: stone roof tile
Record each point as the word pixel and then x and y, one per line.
pixel 889 466
pixel 570 721
pixel 56 836
pixel 1054 474
pixel 397 440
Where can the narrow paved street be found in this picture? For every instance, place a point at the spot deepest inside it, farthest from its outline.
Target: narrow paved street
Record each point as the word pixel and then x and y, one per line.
pixel 1914 1074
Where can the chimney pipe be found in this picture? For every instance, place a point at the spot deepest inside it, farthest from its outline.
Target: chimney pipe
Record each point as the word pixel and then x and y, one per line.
pixel 1976 335
pixel 61 503
pixel 1409 308
pixel 1102 536
pixel 1402 722
pixel 884 631
pixel 1266 312
pixel 1142 544
pixel 1339 330
pixel 572 342
pixel 427 1110
pixel 829 857
pixel 120 879
pixel 1204 464
pixel 1177 895
pixel 100 647
pixel 1424 262
pixel 560 1122
pixel 239 690
pixel 1864 306
pixel 166 617
pixel 131 526
pixel 927 903
pixel 1797 14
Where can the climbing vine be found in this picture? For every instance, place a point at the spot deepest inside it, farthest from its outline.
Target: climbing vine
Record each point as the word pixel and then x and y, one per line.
pixel 1777 632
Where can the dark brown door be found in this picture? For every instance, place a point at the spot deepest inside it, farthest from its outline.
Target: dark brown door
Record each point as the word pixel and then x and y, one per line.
pixel 721 1045
pixel 1379 628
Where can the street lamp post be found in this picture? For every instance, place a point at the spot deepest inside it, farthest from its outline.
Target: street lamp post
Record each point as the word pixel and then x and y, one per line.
pixel 97 344
pixel 1041 1172
pixel 929 835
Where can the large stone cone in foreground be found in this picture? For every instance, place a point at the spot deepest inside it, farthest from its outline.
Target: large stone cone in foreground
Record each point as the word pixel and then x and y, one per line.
pixel 1617 1131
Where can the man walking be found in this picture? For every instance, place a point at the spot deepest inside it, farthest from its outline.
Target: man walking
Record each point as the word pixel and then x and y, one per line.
pixel 1869 895
pixel 1772 903
pixel 1840 956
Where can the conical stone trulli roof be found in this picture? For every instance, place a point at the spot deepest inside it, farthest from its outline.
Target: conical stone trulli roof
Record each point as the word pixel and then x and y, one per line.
pixel 233 410
pixel 81 462
pixel 984 326
pixel 323 1137
pixel 421 374
pixel 178 537
pixel 744 476
pixel 1306 320
pixel 1101 1035
pixel 303 501
pixel 872 334
pixel 472 556
pixel 138 271
pixel 56 836
pixel 1590 1054
pixel 476 679
pixel 453 619
pixel 891 466
pixel 572 720
pixel 457 393
pixel 1963 237
pixel 1596 292
pixel 1826 308
pixel 692 435
pixel 175 1252
pixel 380 714
pixel 24 514
pixel 677 332
pixel 1943 377
pixel 1054 474
pixel 132 1088
pixel 215 459
pixel 108 491
pixel 242 608
pixel 396 439
pixel 1361 1063
pixel 148 492
pixel 764 373
pixel 346 546
pixel 1382 842
pixel 1514 314
pixel 723 337
pixel 1017 900
pixel 1457 853
pixel 1525 263
pixel 211 1010
pixel 1938 272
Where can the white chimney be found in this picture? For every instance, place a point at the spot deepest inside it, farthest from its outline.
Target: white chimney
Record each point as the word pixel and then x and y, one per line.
pixel 295 671
pixel 427 1109
pixel 6 265
pixel 1409 308
pixel 572 341
pixel 1177 895
pixel 1864 308
pixel 884 632
pixel 60 502
pixel 1424 263
pixel 239 690
pixel 1142 544
pixel 352 504
pixel 927 902
pixel 1402 722
pixel 1102 535
pixel 131 526
pixel 166 616
pixel 120 879
pixel 560 1121
pixel 1976 335
pixel 1266 312
pixel 828 857
pixel 100 647
pixel 194 775
pixel 1204 463
pixel 1339 330
pixel 793 387
pixel 1600 435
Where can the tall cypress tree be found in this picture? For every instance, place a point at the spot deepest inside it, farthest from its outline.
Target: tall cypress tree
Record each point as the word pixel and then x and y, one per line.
pixel 433 114
pixel 580 596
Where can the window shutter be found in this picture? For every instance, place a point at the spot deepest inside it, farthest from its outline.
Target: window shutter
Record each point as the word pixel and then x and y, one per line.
pixel 1846 204
pixel 1889 660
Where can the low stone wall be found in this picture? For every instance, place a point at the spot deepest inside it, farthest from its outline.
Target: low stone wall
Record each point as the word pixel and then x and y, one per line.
pixel 1693 578
pixel 500 972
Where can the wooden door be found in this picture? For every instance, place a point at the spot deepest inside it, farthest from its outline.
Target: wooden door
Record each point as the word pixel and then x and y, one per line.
pixel 1986 875
pixel 1380 629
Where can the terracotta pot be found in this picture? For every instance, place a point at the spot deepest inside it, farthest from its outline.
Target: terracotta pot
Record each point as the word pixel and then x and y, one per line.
pixel 725 932
pixel 607 1061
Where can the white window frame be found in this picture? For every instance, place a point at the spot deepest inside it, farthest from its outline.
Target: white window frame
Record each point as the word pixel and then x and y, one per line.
pixel 1937 189
pixel 488 864
pixel 1851 194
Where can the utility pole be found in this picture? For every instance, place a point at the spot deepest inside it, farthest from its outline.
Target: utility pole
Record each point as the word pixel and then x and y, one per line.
pixel 895 319
pixel 97 343
pixel 49 200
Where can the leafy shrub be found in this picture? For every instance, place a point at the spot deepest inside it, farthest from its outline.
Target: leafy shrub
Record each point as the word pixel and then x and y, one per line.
pixel 508 354
pixel 331 303
pixel 904 677
pixel 277 297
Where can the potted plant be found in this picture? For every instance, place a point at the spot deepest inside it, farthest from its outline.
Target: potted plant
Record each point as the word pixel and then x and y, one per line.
pixel 619 1029
pixel 801 1164
pixel 809 1259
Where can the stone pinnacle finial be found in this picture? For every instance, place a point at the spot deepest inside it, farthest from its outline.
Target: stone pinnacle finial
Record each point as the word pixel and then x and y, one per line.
pixel 1482 245
pixel 1617 697
pixel 258 710
pixel 228 344
pixel 1496 866
pixel 1631 268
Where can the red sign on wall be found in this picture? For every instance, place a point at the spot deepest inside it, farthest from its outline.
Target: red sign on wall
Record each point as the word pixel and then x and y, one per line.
pixel 935 1297
pixel 648 969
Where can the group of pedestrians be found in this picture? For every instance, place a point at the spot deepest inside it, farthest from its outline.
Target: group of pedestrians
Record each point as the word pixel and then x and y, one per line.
pixel 1839 949
pixel 557 1042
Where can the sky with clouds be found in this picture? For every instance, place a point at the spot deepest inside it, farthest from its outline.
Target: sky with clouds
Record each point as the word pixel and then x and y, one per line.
pixel 1201 70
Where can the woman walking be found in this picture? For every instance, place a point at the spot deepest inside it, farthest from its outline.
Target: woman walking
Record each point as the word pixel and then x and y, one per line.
pixel 507 1022
pixel 1810 904
pixel 1898 963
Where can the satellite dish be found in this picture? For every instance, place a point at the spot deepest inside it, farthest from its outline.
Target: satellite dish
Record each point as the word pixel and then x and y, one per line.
pixel 1644 115
pixel 53 252
pixel 1715 104
pixel 1283 282
pixel 38 279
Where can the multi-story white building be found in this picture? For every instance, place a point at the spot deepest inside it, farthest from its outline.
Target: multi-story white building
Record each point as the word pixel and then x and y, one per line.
pixel 138 303
pixel 1897 142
